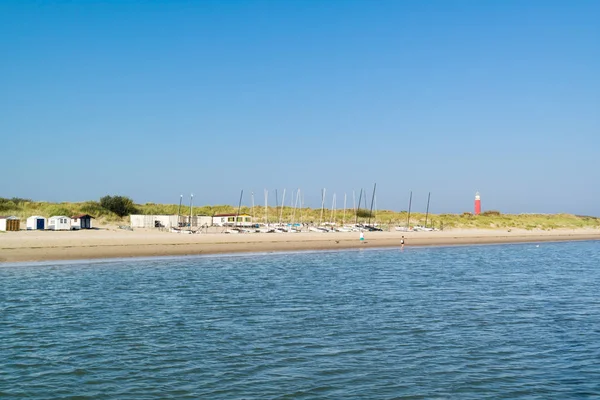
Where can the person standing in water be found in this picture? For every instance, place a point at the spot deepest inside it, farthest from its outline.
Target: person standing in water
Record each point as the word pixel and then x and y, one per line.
pixel 402 243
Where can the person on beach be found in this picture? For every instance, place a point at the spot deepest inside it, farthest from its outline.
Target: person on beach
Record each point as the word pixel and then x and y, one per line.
pixel 362 236
pixel 402 243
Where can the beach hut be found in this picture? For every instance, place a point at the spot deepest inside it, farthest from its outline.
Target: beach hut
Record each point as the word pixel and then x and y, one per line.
pixel 81 221
pixel 10 224
pixel 59 223
pixel 36 222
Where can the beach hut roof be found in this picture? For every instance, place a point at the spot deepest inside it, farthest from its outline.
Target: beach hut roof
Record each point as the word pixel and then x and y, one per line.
pixel 231 215
pixel 83 216
pixel 9 217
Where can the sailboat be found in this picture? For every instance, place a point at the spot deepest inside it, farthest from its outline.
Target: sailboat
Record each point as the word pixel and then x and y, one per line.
pixel 368 226
pixel 407 227
pixel 343 227
pixel 320 228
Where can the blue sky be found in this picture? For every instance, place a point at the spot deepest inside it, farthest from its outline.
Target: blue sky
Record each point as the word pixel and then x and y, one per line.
pixel 155 99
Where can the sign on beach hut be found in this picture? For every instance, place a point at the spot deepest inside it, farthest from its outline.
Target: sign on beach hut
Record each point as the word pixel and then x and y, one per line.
pixel 10 224
pixel 36 222
pixel 59 223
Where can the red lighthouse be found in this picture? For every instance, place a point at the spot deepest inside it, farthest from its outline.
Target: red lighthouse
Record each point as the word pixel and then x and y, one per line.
pixel 477 204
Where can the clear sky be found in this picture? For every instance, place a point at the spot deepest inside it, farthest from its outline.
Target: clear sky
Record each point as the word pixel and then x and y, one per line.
pixel 155 99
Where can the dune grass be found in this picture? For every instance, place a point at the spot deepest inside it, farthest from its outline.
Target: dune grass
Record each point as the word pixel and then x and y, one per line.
pixel 24 208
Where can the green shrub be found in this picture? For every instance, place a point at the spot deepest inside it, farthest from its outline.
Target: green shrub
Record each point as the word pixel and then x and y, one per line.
pixel 491 213
pixel 120 205
pixel 362 213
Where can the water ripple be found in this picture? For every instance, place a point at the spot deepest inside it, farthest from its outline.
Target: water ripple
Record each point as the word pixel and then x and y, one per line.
pixel 486 322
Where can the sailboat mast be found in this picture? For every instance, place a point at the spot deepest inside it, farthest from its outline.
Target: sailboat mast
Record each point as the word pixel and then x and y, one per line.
pixel 252 195
pixel 294 205
pixel 354 201
pixel 358 209
pixel 375 215
pixel 332 209
pixel 372 200
pixel 427 213
pixel 301 206
pixel 344 217
pixel 322 206
pixel 282 204
pixel 266 207
pixel 408 216
pixel 179 211
pixel 239 208
pixel 191 202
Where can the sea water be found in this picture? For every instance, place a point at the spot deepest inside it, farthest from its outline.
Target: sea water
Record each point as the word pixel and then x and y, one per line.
pixel 476 322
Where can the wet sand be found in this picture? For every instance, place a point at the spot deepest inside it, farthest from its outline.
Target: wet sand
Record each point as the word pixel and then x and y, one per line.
pixel 114 243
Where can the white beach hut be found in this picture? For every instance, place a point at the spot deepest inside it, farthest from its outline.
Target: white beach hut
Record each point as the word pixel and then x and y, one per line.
pixel 59 223
pixel 36 222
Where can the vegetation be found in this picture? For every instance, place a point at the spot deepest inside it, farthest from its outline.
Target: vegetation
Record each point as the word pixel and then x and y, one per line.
pixel 362 213
pixel 491 213
pixel 120 205
pixel 115 209
pixel 11 204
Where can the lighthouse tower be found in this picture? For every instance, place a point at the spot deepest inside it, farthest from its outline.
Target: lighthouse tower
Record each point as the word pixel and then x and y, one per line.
pixel 477 204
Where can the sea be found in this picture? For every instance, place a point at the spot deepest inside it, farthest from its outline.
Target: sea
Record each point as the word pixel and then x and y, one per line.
pixel 518 321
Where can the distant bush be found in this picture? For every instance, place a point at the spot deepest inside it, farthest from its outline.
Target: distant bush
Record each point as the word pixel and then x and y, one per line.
pixel 20 200
pixel 491 213
pixel 466 214
pixel 362 213
pixel 587 217
pixel 120 205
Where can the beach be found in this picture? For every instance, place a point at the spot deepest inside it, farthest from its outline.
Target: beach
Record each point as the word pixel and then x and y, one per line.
pixel 111 242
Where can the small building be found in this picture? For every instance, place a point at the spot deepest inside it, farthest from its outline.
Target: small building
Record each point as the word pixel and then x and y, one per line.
pixel 153 221
pixel 10 224
pixel 197 221
pixel 36 222
pixel 232 220
pixel 168 221
pixel 59 223
pixel 81 221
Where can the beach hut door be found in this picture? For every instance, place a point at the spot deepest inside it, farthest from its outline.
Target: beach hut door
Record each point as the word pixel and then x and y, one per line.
pixel 40 224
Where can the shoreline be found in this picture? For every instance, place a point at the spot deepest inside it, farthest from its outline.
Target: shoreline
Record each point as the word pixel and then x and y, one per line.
pixel 32 246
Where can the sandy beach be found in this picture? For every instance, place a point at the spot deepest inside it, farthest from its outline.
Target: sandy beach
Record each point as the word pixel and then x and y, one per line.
pixel 111 242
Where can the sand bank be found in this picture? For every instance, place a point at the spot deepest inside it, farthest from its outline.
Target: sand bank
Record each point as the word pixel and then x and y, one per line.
pixel 110 243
